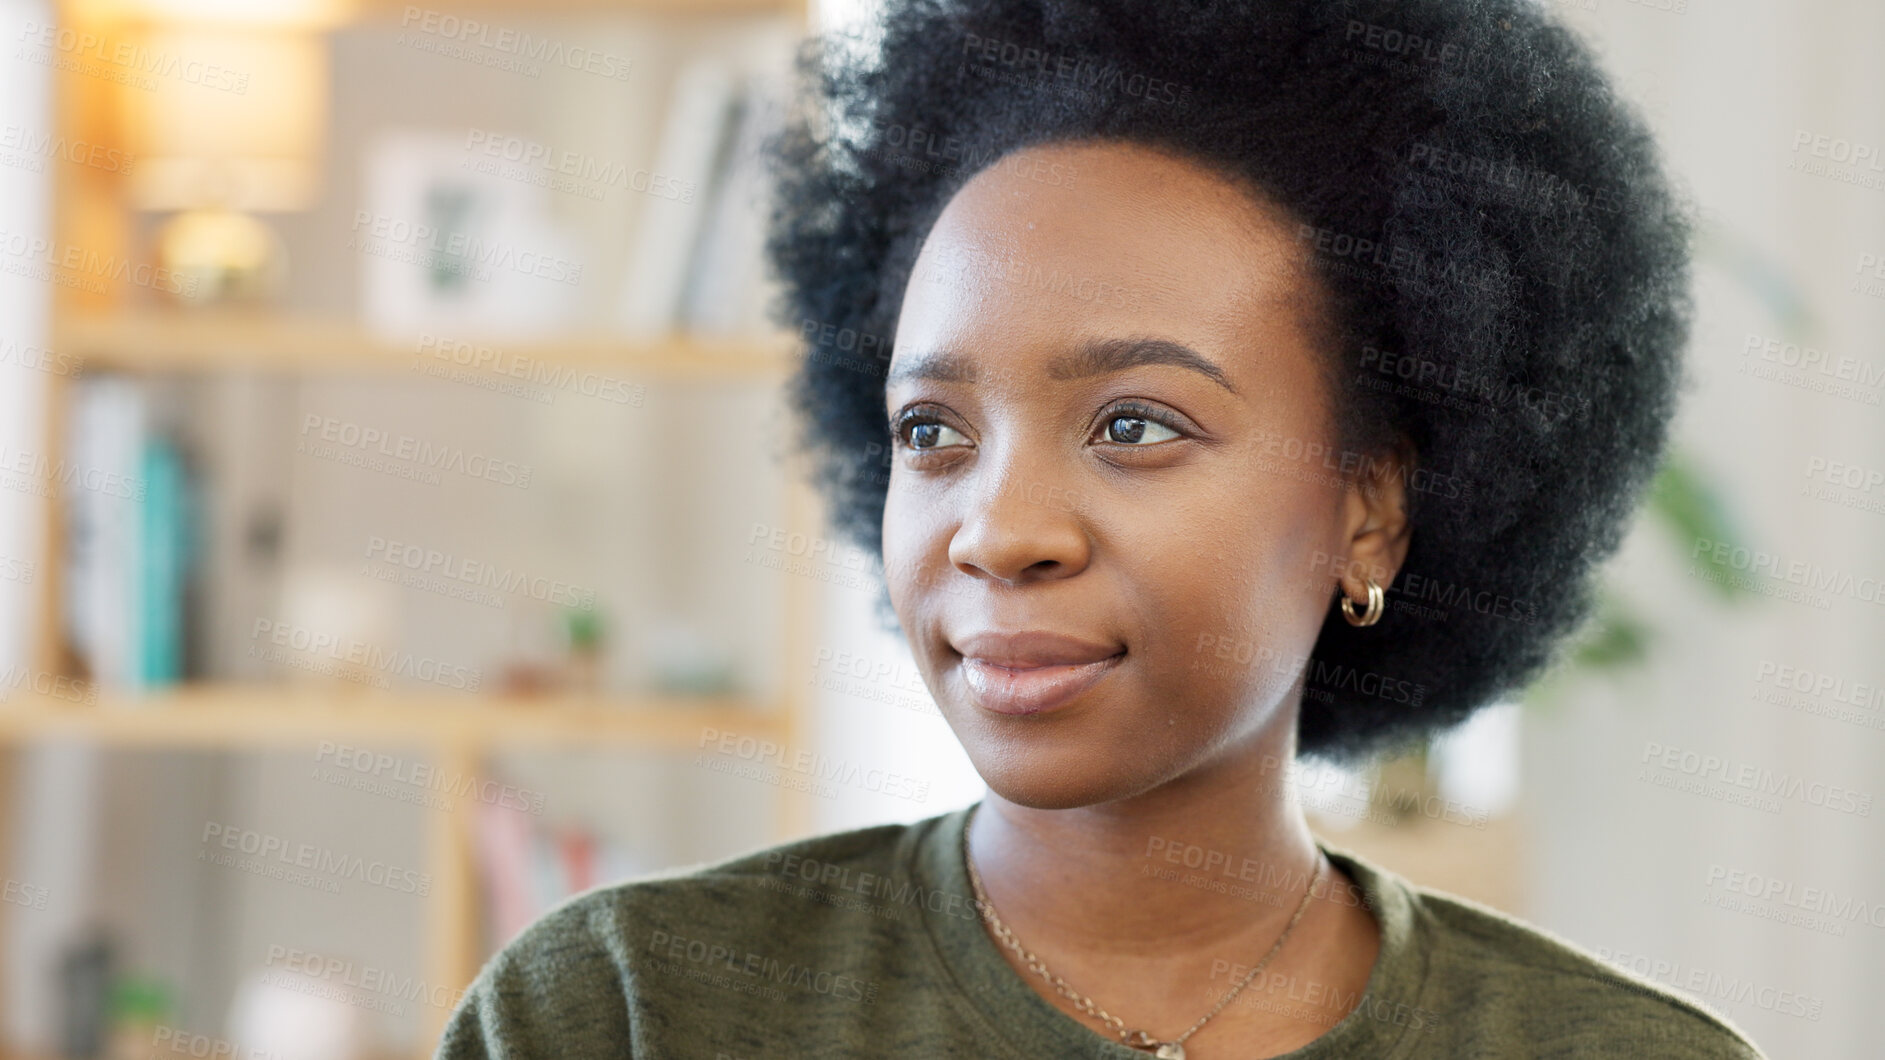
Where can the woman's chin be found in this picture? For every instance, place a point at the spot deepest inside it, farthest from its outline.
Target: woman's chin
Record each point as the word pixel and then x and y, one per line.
pixel 1031 792
pixel 1060 778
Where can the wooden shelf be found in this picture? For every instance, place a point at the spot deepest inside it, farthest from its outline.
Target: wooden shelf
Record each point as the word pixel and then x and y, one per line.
pixel 379 10
pixel 237 716
pixel 344 12
pixel 218 341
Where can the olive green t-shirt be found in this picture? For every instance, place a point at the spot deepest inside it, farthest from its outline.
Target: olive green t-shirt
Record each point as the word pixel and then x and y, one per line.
pixel 868 944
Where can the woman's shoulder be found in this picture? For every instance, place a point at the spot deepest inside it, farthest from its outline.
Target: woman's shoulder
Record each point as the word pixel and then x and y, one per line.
pixel 1494 976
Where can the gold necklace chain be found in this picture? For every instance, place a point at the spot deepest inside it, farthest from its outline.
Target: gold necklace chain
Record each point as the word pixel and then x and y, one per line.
pixel 1172 1049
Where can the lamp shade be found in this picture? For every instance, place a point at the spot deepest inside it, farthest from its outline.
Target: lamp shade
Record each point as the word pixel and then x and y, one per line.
pixel 237 120
pixel 301 14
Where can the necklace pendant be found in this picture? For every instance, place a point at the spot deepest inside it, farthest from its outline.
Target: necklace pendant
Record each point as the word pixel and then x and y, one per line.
pixel 1160 1050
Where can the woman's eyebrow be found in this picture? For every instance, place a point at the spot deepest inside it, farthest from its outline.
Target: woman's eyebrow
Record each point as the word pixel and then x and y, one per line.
pixel 1091 358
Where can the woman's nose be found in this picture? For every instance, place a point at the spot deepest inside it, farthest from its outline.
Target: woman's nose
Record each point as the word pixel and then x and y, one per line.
pixel 1019 525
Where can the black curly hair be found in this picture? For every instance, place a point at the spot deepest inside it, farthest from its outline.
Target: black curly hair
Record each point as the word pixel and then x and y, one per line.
pixel 1505 264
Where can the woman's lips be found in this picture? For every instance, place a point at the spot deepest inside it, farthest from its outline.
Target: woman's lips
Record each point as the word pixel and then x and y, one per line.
pixel 1032 690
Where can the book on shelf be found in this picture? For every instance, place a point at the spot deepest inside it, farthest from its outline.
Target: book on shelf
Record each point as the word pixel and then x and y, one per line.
pixel 692 144
pixel 131 504
pixel 696 264
pixel 726 287
pixel 164 541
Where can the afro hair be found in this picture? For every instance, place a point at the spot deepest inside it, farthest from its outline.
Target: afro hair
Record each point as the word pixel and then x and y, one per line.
pixel 1505 263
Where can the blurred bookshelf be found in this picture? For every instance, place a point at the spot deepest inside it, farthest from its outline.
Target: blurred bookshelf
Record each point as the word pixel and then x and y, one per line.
pixel 130 332
pixel 207 341
pixel 239 717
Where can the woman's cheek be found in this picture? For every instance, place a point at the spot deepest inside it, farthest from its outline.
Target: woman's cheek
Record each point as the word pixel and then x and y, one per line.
pixel 899 553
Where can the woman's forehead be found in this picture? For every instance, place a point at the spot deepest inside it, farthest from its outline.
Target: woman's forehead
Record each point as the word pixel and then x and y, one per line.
pixel 1144 244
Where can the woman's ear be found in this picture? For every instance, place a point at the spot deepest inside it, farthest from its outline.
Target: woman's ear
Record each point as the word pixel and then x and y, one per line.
pixel 1377 528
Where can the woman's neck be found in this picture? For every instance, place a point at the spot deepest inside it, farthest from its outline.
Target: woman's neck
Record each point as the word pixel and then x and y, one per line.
pixel 1140 875
pixel 1157 905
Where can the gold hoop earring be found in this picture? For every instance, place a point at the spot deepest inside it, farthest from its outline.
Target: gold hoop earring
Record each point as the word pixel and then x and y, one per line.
pixel 1377 603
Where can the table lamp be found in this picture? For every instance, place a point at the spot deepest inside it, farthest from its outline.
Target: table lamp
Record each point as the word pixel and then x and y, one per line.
pixel 237 129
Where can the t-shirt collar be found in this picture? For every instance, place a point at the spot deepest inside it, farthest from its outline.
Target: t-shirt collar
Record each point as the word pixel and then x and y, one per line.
pixel 993 996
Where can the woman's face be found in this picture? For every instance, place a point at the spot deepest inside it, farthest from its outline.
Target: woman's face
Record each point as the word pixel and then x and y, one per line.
pixel 1101 536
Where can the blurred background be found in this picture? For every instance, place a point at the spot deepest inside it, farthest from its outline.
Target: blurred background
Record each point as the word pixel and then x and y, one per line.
pixel 398 534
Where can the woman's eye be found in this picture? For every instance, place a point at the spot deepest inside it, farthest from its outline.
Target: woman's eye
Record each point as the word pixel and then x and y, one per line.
pixel 933 435
pixel 1132 430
